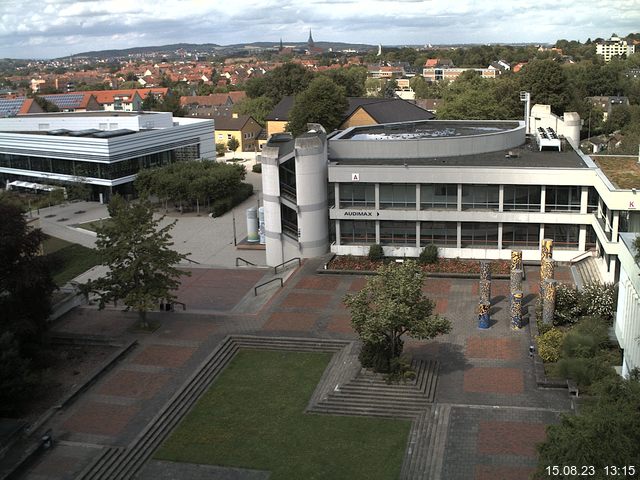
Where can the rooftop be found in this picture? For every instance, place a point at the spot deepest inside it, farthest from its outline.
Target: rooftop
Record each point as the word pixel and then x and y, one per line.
pixel 623 172
pixel 428 129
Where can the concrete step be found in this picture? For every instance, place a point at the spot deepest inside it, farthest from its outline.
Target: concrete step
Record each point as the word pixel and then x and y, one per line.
pixel 366 412
pixel 391 402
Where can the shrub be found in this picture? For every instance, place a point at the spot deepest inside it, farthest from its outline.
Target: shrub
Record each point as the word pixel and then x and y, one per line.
pixel 598 299
pixel 222 205
pixel 428 255
pixel 567 308
pixel 376 252
pixel 549 344
pixel 585 371
pixel 221 148
pixel 257 168
pixel 376 355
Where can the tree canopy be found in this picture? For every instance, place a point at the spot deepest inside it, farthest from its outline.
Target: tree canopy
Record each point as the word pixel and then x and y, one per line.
pixel 392 304
pixel 606 431
pixel 322 102
pixel 142 265
pixel 288 79
pixel 547 82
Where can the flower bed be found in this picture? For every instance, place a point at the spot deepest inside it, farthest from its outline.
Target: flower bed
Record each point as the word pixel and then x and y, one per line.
pixel 443 265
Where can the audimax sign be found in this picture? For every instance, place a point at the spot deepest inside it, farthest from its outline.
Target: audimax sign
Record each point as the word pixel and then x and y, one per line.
pixel 360 213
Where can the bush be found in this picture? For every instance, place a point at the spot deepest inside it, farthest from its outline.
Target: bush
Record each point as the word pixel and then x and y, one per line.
pixel 598 299
pixel 585 371
pixel 428 255
pixel 257 168
pixel 567 305
pixel 223 205
pixel 221 149
pixel 376 252
pixel 377 356
pixel 549 345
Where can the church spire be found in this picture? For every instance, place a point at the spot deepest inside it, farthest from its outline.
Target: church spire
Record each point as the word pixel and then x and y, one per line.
pixel 281 46
pixel 310 42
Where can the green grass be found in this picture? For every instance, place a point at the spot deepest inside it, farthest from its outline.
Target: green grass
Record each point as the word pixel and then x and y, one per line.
pixel 252 417
pixel 92 225
pixel 68 260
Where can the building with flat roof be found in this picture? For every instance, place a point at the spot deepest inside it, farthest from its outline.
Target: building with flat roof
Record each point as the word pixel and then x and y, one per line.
pixel 476 189
pixel 614 47
pixel 102 149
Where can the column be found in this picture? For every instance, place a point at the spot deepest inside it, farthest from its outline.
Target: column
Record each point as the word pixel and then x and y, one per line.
pixel 500 236
pixel 417 196
pixel 337 232
pixel 549 301
pixel 459 197
pixel 516 310
pixel 584 200
pixel 459 233
pixel 418 235
pixel 501 199
pixel 543 198
pixel 377 197
pixel 615 225
pixel 582 238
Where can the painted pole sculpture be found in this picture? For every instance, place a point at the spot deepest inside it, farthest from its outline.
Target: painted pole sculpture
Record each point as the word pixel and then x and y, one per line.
pixel 515 289
pixel 516 310
pixel 549 301
pixel 547 285
pixel 484 289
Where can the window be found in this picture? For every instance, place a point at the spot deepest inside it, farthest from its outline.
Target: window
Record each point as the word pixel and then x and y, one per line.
pixel 357 232
pixel 398 233
pixel 289 221
pixel 442 234
pixel 522 198
pixel 357 195
pixel 562 199
pixel 479 235
pixel 480 197
pixel 592 238
pixel 288 178
pixel 592 200
pixel 565 237
pixel 442 196
pixel 519 235
pixel 398 196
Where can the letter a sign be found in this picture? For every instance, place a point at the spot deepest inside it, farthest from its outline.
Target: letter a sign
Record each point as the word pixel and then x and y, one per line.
pixel 355 177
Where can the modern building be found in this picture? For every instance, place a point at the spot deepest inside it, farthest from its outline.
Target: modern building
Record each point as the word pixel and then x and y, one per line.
pixel 102 149
pixel 627 321
pixel 614 47
pixel 476 189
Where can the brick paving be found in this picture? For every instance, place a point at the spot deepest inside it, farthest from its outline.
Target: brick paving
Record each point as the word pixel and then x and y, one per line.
pixel 498 413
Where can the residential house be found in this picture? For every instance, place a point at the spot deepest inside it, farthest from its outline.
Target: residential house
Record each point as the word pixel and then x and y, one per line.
pixel 74 101
pixel 608 103
pixel 10 107
pixel 614 47
pixel 118 100
pixel 241 127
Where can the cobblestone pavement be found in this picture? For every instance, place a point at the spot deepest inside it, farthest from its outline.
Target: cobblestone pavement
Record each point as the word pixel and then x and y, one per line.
pixel 497 412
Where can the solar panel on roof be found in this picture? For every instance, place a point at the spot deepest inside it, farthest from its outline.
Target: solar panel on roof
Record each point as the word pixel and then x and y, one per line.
pixel 113 133
pixel 83 133
pixel 9 107
pixel 69 100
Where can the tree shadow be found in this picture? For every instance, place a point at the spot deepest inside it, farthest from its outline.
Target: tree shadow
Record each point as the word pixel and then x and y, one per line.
pixel 528 298
pixel 494 310
pixel 497 299
pixel 449 355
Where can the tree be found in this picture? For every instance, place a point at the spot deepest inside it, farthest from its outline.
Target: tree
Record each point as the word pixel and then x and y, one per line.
pixel 142 266
pixel 233 144
pixel 288 79
pixel 17 379
pixel 547 83
pixel 258 108
pixel 470 97
pixel 46 105
pixel 390 305
pixel 25 281
pixel 606 432
pixel 323 102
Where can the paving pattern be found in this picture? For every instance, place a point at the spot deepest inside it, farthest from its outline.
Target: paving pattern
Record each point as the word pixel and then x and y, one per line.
pixel 486 413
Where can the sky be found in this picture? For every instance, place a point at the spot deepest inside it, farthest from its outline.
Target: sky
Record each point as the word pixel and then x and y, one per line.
pixel 55 28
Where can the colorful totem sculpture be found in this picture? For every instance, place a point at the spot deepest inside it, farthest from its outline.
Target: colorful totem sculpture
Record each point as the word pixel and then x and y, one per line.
pixel 484 290
pixel 549 301
pixel 516 310
pixel 515 289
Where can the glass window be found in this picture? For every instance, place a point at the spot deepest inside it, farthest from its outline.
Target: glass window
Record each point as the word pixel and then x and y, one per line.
pixel 288 178
pixel 565 237
pixel 480 197
pixel 357 195
pixel 289 221
pixel 397 195
pixel 40 164
pixel 18 161
pixel 520 235
pixel 592 238
pixel 562 199
pixel 357 232
pixel 87 169
pixel 522 198
pixel 442 234
pixel 439 196
pixel 62 166
pixel 592 200
pixel 398 233
pixel 479 235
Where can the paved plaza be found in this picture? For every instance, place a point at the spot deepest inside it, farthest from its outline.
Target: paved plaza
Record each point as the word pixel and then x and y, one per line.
pixel 486 376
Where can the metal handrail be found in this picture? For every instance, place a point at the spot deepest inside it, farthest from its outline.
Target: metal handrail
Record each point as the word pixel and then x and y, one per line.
pixel 192 261
pixel 255 289
pixel 275 269
pixel 247 262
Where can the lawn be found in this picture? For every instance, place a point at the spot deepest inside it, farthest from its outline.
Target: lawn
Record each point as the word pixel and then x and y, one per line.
pixel 68 260
pixel 252 417
pixel 624 172
pixel 92 225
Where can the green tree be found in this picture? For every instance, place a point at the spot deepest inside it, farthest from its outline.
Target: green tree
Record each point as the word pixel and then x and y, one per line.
pixel 142 265
pixel 547 83
pixel 25 281
pixel 392 304
pixel 470 97
pixel 18 381
pixel 352 79
pixel 46 105
pixel 233 144
pixel 288 79
pixel 323 102
pixel 606 432
pixel 258 108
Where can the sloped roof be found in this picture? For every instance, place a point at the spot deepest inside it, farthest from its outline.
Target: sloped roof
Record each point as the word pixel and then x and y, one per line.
pixel 108 96
pixel 382 110
pixel 70 100
pixel 231 123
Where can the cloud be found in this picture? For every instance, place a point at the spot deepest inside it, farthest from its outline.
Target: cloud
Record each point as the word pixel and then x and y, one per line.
pixel 59 27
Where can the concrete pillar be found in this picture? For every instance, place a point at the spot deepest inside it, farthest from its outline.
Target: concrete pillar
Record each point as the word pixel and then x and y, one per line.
pixel 459 197
pixel 516 260
pixel 549 301
pixel 311 186
pixel 485 270
pixel 485 291
pixel 615 225
pixel 543 197
pixel 459 234
pixel 377 197
pixel 337 231
pixel 515 280
pixel 501 198
pixel 500 230
pixel 582 238
pixel 417 196
pixel 516 310
pixel 271 203
pixel 484 321
pixel 547 248
pixel 584 200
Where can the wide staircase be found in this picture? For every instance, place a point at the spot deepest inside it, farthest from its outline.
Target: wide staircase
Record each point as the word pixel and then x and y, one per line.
pixel 370 394
pixel 586 271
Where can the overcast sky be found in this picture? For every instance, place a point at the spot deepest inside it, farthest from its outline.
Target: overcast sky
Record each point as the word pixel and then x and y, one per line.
pixel 53 28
